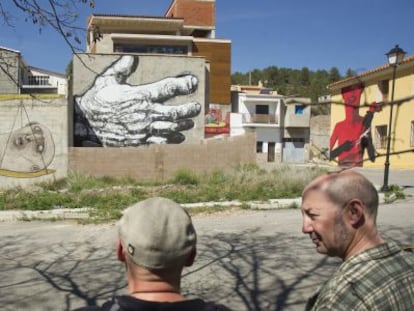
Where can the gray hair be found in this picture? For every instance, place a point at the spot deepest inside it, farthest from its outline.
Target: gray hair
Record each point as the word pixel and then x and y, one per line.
pixel 343 186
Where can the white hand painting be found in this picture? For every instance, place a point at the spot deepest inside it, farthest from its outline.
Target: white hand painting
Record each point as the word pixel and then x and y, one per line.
pixel 121 114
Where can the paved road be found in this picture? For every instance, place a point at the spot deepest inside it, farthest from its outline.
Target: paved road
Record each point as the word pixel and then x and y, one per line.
pixel 249 260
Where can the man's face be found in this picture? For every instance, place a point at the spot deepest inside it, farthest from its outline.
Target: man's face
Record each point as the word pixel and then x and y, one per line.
pixel 325 224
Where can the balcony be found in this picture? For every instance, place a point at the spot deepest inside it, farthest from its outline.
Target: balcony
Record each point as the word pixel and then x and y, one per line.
pixel 248 118
pixel 38 84
pixel 37 81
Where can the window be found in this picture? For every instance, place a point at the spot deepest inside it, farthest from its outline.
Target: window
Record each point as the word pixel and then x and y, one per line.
pixel 262 109
pixel 259 147
pixel 381 137
pixel 38 80
pixel 299 109
pixel 412 134
pixel 151 49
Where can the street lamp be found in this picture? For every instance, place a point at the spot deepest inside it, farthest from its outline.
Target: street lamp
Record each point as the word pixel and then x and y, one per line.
pixel 395 56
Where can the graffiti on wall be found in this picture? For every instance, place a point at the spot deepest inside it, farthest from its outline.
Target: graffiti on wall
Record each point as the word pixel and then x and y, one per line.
pixel 113 113
pixel 215 123
pixel 351 137
pixel 26 151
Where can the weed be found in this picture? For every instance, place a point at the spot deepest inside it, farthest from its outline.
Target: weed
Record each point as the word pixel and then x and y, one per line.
pixel 397 190
pixel 185 177
pixel 107 196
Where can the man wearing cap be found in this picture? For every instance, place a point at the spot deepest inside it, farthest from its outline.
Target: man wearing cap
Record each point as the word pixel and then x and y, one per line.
pixel 156 241
pixel 339 214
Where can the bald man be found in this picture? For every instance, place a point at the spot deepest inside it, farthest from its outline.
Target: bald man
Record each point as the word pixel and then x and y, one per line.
pixel 339 214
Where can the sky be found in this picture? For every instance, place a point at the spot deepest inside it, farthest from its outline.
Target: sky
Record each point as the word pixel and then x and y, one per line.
pixel 318 34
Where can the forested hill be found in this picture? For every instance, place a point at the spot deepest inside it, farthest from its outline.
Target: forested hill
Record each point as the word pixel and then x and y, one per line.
pixel 298 82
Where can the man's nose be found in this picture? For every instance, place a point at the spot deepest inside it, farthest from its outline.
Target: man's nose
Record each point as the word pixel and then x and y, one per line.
pixel 306 225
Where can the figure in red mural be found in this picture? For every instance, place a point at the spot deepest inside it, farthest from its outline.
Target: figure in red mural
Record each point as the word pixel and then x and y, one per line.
pixel 352 135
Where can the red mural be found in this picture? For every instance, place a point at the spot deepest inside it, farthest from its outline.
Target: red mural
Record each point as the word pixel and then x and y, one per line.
pixel 352 135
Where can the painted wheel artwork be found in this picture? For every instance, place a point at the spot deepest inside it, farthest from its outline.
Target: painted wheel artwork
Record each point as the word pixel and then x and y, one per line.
pixel 28 151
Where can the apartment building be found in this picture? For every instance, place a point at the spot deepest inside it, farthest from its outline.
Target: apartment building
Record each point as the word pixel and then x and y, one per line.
pixel 360 126
pixel 186 29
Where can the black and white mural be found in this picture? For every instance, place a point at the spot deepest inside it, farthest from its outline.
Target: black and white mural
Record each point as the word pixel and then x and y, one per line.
pixel 112 112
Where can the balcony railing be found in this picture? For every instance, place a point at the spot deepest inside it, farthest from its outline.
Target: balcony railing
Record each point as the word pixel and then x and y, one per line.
pixel 260 118
pixel 37 80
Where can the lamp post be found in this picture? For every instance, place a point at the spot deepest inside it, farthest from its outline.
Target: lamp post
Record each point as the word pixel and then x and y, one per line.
pixel 395 56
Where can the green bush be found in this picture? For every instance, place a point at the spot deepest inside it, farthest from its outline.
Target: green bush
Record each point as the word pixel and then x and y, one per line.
pixel 185 177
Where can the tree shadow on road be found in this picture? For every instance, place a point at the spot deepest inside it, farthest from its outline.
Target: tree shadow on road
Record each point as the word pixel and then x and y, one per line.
pixel 57 276
pixel 249 271
pixel 245 271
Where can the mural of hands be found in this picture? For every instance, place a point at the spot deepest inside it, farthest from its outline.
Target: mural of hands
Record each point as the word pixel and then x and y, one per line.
pixel 121 114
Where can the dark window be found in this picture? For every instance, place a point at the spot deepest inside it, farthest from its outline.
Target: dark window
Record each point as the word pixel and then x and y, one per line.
pixel 259 147
pixel 381 136
pixel 151 49
pixel 262 109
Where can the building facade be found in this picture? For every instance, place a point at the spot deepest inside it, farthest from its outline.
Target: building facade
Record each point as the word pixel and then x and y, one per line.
pixel 10 61
pixel 360 113
pixel 281 124
pixel 16 77
pixel 187 29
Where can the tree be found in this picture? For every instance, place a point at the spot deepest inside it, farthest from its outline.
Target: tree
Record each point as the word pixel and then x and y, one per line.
pixel 60 15
pixel 350 73
pixel 305 76
pixel 239 78
pixel 334 75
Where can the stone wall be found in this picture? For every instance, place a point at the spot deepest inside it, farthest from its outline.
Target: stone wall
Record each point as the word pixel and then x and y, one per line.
pixel 160 162
pixel 319 137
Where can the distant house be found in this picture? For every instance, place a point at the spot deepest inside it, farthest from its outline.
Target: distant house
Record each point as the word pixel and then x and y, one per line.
pixel 41 81
pixel 281 124
pixel 359 127
pixel 16 77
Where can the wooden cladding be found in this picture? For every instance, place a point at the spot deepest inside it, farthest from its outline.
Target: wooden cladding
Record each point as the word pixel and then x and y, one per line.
pixel 218 54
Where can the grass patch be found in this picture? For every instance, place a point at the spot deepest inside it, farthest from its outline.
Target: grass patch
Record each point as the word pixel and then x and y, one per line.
pixel 107 197
pixel 395 190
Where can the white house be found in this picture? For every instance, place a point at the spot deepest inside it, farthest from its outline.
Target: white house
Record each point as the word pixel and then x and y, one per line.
pixel 16 77
pixel 37 80
pixel 281 123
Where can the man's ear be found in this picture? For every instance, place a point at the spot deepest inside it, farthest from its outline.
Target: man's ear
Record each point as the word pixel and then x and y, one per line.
pixel 191 257
pixel 355 213
pixel 120 251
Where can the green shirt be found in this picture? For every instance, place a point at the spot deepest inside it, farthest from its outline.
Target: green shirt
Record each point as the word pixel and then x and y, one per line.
pixel 380 278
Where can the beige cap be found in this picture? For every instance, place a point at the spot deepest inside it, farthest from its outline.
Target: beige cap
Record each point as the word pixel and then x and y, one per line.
pixel 157 233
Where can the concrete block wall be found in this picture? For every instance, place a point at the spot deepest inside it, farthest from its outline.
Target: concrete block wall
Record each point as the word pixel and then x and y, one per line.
pixel 319 136
pixel 160 162
pixel 9 81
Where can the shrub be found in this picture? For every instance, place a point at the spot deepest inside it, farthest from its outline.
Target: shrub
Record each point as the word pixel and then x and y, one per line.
pixel 185 177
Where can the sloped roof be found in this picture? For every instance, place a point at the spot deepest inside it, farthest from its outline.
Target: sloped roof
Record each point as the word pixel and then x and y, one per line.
pixel 370 72
pixel 8 49
pixel 49 72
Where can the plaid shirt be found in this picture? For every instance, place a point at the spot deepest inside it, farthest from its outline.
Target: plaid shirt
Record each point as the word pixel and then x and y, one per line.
pixel 378 279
